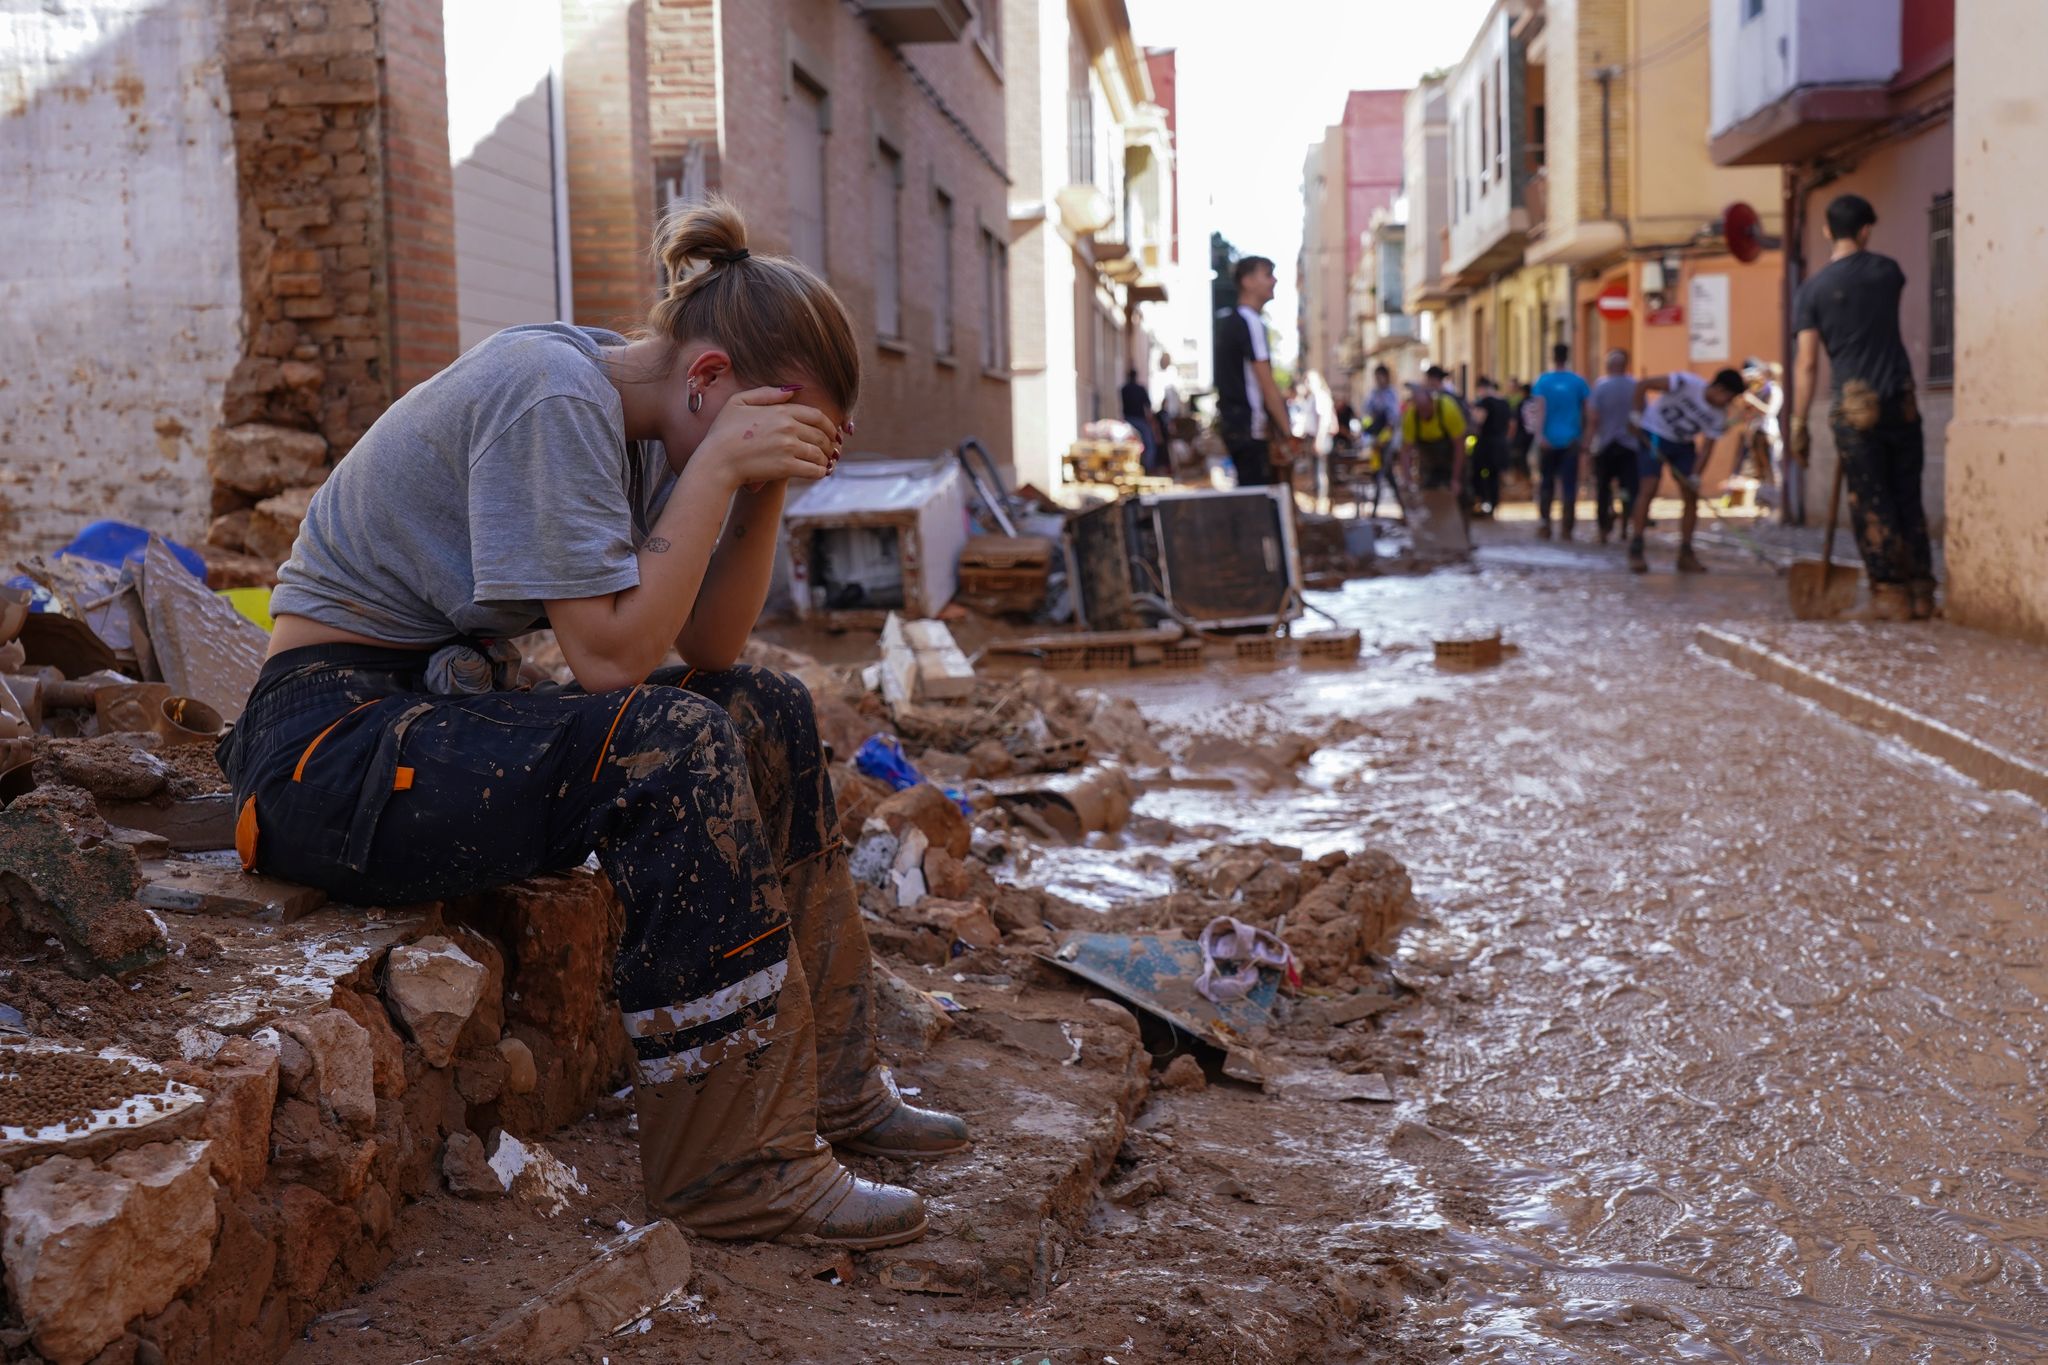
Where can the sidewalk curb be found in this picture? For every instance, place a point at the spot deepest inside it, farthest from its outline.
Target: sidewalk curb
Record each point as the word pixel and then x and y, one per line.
pixel 1988 766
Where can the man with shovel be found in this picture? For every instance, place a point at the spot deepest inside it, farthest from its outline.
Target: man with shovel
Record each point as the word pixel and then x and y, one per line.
pixel 1851 309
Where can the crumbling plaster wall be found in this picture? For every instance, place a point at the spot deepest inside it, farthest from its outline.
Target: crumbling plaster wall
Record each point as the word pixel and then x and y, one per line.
pixel 120 286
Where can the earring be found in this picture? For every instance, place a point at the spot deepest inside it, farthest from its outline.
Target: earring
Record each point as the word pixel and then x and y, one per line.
pixel 696 401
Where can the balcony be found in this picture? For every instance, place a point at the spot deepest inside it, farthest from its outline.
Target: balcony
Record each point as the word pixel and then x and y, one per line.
pixel 1800 76
pixel 918 21
pixel 1536 200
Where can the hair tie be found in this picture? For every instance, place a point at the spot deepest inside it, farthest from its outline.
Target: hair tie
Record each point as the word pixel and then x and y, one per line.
pixel 730 257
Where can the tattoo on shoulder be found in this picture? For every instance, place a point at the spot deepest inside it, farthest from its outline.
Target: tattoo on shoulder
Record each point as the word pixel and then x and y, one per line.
pixel 656 545
pixel 739 530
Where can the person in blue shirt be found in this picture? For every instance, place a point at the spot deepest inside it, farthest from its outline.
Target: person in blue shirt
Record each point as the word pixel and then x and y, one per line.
pixel 1563 419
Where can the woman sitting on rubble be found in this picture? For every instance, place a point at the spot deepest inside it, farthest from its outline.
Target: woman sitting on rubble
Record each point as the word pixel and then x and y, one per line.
pixel 626 493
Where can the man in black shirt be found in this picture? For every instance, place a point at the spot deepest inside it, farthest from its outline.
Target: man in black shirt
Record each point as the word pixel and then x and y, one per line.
pixel 1490 448
pixel 1249 406
pixel 1851 308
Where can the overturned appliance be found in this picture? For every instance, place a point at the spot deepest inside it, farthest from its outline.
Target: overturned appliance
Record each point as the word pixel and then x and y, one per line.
pixel 878 536
pixel 1209 558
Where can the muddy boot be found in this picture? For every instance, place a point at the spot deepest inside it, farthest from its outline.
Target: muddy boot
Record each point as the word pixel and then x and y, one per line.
pixel 1888 602
pixel 729 1143
pixel 859 1108
pixel 1688 562
pixel 1636 562
pixel 1543 530
pixel 1921 593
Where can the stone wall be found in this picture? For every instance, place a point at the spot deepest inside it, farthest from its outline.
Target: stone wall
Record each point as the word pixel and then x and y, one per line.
pixel 372 1060
pixel 119 280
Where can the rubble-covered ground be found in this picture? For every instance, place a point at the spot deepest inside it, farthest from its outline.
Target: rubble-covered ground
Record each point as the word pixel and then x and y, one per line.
pixel 1708 1032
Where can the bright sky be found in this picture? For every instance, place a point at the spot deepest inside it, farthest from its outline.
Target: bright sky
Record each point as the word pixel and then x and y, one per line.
pixel 1261 79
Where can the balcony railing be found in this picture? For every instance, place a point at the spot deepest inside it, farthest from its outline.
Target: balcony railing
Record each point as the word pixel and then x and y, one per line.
pixel 1536 198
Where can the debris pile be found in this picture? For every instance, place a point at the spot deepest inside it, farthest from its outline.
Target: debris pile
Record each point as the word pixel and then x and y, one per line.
pixel 204 1158
pixel 1333 911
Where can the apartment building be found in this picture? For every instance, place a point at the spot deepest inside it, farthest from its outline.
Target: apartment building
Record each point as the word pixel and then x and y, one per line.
pixel 868 142
pixel 1091 219
pixel 1352 172
pixel 1854 96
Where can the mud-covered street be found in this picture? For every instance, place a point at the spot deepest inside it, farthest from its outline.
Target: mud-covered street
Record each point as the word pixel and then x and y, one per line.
pixel 1730 1037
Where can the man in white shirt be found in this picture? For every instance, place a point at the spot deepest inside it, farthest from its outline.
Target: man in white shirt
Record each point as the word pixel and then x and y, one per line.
pixel 1250 409
pixel 1679 430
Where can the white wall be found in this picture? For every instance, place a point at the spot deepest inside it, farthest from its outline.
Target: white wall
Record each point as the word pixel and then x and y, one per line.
pixel 1790 43
pixel 1997 499
pixel 510 266
pixel 1482 188
pixel 1428 189
pixel 119 283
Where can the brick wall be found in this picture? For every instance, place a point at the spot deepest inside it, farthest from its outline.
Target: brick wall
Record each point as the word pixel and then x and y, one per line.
pixel 347 249
pixel 611 176
pixel 914 401
pixel 420 208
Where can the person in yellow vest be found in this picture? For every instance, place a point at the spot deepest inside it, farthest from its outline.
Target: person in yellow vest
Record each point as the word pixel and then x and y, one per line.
pixel 1433 432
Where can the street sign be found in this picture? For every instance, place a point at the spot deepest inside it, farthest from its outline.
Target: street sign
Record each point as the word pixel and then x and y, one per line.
pixel 1613 301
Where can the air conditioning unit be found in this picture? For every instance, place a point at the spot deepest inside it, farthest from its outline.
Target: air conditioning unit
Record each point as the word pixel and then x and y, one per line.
pixel 1221 558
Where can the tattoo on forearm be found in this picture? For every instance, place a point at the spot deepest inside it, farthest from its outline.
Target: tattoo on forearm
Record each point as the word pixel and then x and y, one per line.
pixel 656 545
pixel 739 530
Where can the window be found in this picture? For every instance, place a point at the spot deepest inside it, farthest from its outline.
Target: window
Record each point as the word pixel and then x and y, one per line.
pixel 942 306
pixel 988 30
pixel 1752 9
pixel 1456 171
pixel 888 226
pixel 1485 134
pixel 1081 131
pixel 995 302
pixel 1500 116
pixel 805 165
pixel 1941 284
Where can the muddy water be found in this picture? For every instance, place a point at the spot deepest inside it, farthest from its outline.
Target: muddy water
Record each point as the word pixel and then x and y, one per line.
pixel 1735 1016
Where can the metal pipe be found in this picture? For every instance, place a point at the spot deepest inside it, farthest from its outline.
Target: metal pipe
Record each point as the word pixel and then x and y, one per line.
pixel 1605 75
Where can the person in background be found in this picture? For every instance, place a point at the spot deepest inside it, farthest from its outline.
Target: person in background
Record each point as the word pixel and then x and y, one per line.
pixel 1615 446
pixel 1167 406
pixel 1382 429
pixel 1766 443
pixel 1250 409
pixel 1523 435
pixel 1851 309
pixel 1433 432
pixel 1679 430
pixel 1136 402
pixel 1489 446
pixel 1563 421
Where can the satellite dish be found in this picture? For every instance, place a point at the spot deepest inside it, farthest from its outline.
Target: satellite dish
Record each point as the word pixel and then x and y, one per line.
pixel 1742 228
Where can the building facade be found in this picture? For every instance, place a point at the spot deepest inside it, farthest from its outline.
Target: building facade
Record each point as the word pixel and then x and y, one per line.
pixel 231 244
pixel 1090 219
pixel 1996 501
pixel 1855 96
pixel 870 145
pixel 1583 205
pixel 1352 173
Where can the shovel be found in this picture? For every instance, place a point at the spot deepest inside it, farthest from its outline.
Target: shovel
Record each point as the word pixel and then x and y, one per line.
pixel 1822 588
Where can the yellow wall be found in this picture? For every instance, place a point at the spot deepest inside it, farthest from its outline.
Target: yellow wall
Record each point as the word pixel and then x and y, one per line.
pixel 1676 186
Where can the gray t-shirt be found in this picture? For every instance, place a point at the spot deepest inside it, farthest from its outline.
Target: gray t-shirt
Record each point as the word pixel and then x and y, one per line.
pixel 502 482
pixel 1614 399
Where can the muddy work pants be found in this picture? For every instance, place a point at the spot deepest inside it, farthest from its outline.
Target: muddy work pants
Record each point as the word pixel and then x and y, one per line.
pixel 706 799
pixel 1883 458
